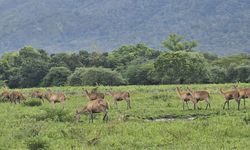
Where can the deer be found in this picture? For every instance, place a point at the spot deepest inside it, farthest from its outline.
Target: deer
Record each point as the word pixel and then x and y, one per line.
pixel 184 96
pixel 119 96
pixel 94 106
pixel 16 96
pixel 38 94
pixel 93 95
pixel 199 96
pixel 243 93
pixel 55 97
pixel 5 95
pixel 230 95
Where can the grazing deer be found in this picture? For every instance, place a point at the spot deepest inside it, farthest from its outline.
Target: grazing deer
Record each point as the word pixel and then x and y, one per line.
pixel 55 97
pixel 119 96
pixel 184 96
pixel 94 106
pixel 199 96
pixel 5 95
pixel 16 96
pixel 38 94
pixel 243 93
pixel 93 95
pixel 230 95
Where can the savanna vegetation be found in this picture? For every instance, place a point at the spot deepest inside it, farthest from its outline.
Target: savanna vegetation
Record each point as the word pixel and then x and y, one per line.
pixel 136 64
pixel 139 112
pixel 156 120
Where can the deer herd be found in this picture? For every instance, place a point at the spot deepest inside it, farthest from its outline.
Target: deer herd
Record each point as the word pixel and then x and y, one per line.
pixel 195 96
pixel 97 103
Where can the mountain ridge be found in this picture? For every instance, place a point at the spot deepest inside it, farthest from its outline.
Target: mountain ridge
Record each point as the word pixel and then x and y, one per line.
pixel 219 26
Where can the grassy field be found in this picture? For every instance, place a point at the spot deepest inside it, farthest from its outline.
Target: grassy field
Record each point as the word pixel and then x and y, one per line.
pixel 33 124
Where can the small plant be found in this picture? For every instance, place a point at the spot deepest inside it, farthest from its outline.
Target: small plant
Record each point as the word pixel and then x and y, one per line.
pixel 58 115
pixel 33 103
pixel 247 119
pixel 37 144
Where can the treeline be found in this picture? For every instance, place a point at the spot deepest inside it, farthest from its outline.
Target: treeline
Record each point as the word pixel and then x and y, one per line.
pixel 129 64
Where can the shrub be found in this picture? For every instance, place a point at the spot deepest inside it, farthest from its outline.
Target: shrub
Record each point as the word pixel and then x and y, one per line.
pixel 91 76
pixel 37 143
pixel 33 103
pixel 57 76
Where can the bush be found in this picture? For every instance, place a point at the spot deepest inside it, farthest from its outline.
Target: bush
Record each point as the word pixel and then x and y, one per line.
pixel 57 76
pixel 91 76
pixel 57 115
pixel 140 74
pixel 37 143
pixel 33 103
pixel 218 75
pixel 181 67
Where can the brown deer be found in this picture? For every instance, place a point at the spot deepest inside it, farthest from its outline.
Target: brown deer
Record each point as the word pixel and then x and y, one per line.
pixel 119 96
pixel 230 95
pixel 16 96
pixel 243 93
pixel 5 95
pixel 199 96
pixel 94 106
pixel 38 94
pixel 93 95
pixel 184 96
pixel 55 97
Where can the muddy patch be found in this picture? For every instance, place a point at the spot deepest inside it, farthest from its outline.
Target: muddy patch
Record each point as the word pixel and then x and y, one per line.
pixel 169 118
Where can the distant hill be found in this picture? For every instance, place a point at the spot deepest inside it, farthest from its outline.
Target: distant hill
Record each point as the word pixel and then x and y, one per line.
pixel 220 26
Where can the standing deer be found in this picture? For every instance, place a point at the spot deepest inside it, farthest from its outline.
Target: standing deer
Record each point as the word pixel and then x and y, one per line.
pixel 199 96
pixel 230 95
pixel 94 106
pixel 55 97
pixel 243 93
pixel 5 95
pixel 184 96
pixel 16 96
pixel 93 95
pixel 38 94
pixel 119 96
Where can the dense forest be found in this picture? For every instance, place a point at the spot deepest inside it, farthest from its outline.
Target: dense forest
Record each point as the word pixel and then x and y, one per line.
pixel 129 64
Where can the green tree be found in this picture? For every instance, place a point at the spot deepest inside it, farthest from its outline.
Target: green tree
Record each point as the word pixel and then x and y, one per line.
pixel 91 76
pixel 57 76
pixel 140 74
pixel 175 43
pixel 124 55
pixel 34 66
pixel 218 75
pixel 181 67
pixel 71 61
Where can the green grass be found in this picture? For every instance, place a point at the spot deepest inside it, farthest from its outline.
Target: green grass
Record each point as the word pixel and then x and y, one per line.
pixel 37 125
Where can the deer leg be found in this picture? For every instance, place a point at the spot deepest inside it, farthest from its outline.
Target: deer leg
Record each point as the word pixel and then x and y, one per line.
pixel 187 105
pixel 90 117
pixel 128 104
pixel 183 105
pixel 208 104
pixel 224 104
pixel 228 105
pixel 105 118
pixel 244 102
pixel 115 102
pixel 238 103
